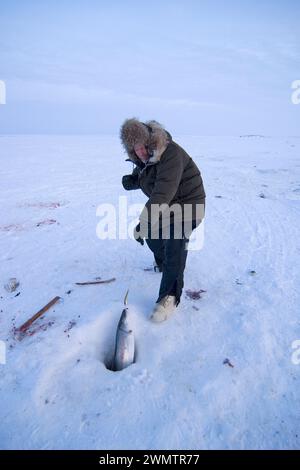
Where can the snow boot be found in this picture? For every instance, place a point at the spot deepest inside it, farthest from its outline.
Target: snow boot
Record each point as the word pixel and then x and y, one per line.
pixel 164 309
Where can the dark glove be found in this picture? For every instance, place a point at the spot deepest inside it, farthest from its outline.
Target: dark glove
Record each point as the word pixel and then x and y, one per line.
pixel 127 181
pixel 130 182
pixel 137 234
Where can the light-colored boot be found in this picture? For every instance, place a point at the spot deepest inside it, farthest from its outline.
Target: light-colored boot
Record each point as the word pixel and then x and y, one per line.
pixel 164 309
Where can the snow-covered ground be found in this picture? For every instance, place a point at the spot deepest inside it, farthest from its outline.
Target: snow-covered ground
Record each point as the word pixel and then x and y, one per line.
pixel 55 391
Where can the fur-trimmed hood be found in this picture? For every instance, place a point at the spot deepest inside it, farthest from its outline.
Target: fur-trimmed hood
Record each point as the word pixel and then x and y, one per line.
pixel 151 134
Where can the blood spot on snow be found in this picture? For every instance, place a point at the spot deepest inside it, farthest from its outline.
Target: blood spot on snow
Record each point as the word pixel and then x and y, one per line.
pixel 194 294
pixel 46 222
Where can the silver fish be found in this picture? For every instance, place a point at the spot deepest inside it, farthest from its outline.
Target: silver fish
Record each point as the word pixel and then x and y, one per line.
pixel 124 349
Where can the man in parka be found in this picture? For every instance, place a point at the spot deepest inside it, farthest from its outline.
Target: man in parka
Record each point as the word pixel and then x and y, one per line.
pixel 176 204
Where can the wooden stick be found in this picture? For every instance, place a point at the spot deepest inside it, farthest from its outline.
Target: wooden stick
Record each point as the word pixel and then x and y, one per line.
pixel 26 325
pixel 95 282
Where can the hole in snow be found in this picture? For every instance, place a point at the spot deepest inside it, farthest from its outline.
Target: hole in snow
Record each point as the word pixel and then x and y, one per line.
pixel 109 361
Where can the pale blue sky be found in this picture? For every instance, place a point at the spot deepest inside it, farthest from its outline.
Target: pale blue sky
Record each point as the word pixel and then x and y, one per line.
pixel 199 67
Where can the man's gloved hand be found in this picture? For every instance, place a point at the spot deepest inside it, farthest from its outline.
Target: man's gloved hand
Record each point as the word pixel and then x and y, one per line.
pixel 131 181
pixel 139 237
pixel 127 182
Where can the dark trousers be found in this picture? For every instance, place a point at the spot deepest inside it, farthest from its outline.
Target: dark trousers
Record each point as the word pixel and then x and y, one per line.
pixel 170 254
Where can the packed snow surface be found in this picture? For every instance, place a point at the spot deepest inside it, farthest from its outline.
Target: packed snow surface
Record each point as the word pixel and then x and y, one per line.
pixel 220 373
